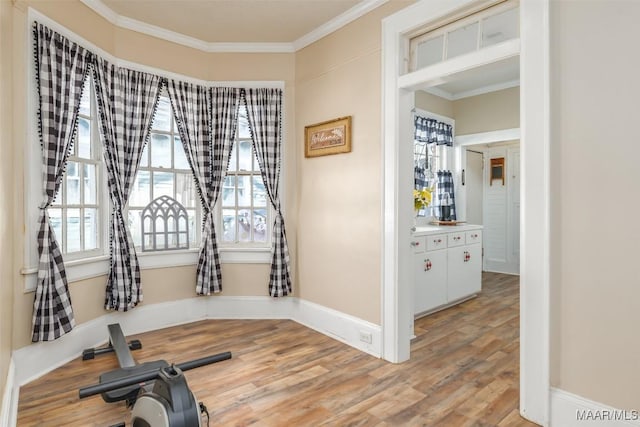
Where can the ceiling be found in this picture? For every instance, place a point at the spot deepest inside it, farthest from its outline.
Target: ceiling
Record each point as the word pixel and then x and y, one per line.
pixel 232 21
pixel 478 80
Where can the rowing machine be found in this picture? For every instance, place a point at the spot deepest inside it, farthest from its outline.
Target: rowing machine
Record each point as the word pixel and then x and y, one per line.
pixel 157 391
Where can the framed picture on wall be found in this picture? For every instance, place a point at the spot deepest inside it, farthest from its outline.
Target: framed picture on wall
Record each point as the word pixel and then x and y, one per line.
pixel 497 170
pixel 330 137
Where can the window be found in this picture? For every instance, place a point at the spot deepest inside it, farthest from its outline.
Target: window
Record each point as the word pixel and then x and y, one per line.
pixel 488 27
pixel 245 209
pixel 75 214
pixel 164 171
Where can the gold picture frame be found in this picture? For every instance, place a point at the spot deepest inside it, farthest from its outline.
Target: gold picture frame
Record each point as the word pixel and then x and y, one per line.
pixel 330 137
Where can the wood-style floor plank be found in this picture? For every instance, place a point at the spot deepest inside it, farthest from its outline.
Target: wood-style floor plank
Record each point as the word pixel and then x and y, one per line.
pixel 463 372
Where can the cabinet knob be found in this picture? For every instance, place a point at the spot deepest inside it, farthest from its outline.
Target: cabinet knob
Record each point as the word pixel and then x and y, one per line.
pixel 467 256
pixel 415 243
pixel 427 264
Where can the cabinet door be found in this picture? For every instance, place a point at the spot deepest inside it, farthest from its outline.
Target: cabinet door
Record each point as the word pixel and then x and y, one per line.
pixel 430 269
pixel 464 271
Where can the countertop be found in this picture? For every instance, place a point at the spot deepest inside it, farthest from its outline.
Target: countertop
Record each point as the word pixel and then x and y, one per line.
pixel 424 230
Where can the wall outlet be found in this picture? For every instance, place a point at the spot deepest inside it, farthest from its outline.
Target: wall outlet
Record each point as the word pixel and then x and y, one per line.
pixel 366 337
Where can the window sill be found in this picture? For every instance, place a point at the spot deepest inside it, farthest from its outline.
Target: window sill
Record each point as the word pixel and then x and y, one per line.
pixel 87 268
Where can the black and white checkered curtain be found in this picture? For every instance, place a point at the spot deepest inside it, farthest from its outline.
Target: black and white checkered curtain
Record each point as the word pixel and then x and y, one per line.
pixel 432 131
pixel 61 68
pixel 444 185
pixel 207 121
pixel 127 100
pixel 264 110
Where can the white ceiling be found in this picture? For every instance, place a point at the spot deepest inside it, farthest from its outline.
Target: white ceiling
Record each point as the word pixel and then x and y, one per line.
pixel 476 81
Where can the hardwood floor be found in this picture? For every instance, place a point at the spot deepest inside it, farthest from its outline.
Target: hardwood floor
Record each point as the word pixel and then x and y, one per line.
pixel 463 372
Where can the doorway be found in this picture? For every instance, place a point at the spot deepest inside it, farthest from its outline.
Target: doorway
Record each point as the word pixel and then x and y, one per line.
pixel 398 89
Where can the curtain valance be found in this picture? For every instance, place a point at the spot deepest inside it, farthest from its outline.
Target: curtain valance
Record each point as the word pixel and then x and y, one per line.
pixel 432 131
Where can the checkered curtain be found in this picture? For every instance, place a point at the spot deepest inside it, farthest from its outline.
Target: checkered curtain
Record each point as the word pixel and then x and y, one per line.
pixel 433 131
pixel 61 68
pixel 127 101
pixel 444 184
pixel 264 110
pixel 207 120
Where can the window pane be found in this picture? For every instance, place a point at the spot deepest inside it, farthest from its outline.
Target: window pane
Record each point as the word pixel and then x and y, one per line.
pixel 233 160
pixel 90 183
pixel 245 155
pixel 259 192
pixel 85 101
pixel 84 138
pixel 192 227
pixel 229 225
pixel 244 190
pixel 73 230
pixel 260 225
pixel 185 190
pixel 161 241
pixel 90 228
pixel 229 191
pixel 500 27
pixel 73 184
pixel 463 40
pixel 144 161
pixel 162 119
pixel 162 184
pixel 243 123
pixel 141 191
pixel 429 52
pixel 180 159
pixel 160 150
pixel 55 219
pixel 135 226
pixel 244 225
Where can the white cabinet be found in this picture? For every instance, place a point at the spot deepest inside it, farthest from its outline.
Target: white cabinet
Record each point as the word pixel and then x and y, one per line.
pixel 447 266
pixel 464 276
pixel 430 269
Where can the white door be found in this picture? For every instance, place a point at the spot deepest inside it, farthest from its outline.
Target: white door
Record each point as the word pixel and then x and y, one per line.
pixel 431 280
pixel 464 271
pixel 473 183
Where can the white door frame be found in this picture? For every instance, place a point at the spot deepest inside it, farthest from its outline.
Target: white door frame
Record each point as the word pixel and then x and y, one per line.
pixel 397 103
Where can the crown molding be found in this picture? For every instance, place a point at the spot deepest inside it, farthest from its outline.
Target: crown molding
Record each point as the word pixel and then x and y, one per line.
pixel 214 47
pixel 338 22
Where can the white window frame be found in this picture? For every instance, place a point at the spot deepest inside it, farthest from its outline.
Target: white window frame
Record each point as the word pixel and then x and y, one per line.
pixel 430 33
pixel 97 266
pixel 260 251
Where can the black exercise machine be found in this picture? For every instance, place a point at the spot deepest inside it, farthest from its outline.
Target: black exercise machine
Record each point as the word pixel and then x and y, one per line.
pixel 157 391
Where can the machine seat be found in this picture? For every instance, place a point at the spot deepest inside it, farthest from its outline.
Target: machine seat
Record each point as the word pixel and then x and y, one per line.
pixel 129 393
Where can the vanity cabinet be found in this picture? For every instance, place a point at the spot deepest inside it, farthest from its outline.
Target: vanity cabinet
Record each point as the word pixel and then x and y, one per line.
pixel 447 266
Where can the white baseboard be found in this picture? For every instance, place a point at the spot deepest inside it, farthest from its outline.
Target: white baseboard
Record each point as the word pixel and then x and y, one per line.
pixel 570 410
pixel 340 326
pixel 37 359
pixel 9 409
pixel 501 267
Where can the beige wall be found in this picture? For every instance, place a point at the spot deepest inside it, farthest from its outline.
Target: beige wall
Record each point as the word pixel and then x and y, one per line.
pixel 339 228
pixel 475 114
pixel 433 104
pixel 488 112
pixel 595 176
pixel 6 191
pixel 161 284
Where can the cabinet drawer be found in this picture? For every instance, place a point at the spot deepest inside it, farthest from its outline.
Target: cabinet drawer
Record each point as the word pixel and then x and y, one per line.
pixel 474 236
pixel 417 243
pixel 456 239
pixel 437 241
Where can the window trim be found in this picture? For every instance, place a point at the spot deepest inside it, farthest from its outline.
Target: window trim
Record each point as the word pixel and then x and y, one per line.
pixel 86 268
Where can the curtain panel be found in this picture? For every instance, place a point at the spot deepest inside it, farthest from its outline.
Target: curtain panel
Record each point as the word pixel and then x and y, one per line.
pixel 61 68
pixel 264 111
pixel 444 191
pixel 207 121
pixel 431 131
pixel 127 101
